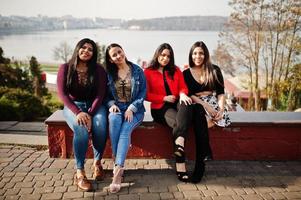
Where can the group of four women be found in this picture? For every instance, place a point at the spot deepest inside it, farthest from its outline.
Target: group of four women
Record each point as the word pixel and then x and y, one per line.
pixel 93 96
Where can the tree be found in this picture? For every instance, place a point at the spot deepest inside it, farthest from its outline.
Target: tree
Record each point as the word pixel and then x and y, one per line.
pixel 244 35
pixel 38 83
pixel 101 49
pixel 13 77
pixel 62 52
pixel 3 60
pixel 264 37
pixel 223 59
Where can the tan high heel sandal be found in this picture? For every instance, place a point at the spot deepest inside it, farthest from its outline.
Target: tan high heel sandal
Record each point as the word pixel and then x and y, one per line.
pixel 115 186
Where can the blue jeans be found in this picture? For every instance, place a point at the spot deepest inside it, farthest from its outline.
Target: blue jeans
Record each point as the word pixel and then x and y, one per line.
pixel 81 135
pixel 120 132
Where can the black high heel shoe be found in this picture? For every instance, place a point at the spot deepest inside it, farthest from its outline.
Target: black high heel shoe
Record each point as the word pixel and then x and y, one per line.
pixel 180 158
pixel 198 172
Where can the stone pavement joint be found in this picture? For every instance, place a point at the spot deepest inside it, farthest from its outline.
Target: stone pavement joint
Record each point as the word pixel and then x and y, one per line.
pixel 29 173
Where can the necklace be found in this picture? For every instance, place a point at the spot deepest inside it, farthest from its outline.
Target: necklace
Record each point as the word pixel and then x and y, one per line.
pixel 82 75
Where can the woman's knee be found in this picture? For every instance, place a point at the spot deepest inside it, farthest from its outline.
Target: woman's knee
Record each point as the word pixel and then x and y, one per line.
pixel 170 117
pixel 81 133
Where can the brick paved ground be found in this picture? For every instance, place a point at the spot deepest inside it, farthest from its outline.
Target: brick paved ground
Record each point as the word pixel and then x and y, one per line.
pixel 27 173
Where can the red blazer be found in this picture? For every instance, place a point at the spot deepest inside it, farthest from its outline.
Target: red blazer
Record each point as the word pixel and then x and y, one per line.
pixel 155 86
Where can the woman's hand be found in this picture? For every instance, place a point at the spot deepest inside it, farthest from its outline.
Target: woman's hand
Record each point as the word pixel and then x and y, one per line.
pixel 170 98
pixel 185 99
pixel 219 115
pixel 211 111
pixel 114 109
pixel 128 115
pixel 84 119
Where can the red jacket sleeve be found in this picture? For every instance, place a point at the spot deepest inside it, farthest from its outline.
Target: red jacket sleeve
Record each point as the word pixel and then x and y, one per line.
pixel 153 94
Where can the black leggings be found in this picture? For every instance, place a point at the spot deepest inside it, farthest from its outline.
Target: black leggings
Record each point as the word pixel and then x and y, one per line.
pixel 200 127
pixel 176 118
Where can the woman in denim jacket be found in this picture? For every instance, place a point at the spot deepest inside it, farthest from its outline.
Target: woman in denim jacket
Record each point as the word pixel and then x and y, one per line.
pixel 126 93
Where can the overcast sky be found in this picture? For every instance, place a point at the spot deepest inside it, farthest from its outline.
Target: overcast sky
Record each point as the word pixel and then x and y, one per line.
pixel 125 9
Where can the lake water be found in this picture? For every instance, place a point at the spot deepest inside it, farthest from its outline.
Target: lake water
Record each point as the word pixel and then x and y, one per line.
pixel 137 44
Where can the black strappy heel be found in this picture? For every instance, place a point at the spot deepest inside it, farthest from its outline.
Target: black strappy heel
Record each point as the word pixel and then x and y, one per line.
pixel 179 150
pixel 180 158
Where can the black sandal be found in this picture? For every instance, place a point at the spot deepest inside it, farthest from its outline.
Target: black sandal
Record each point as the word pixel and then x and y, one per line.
pixel 180 158
pixel 179 150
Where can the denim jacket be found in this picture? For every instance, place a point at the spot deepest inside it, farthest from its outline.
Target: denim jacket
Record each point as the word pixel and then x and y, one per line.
pixel 138 90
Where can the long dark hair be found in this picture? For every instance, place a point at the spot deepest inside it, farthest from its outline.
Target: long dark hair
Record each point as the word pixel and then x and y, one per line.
pixel 170 67
pixel 112 68
pixel 209 73
pixel 92 63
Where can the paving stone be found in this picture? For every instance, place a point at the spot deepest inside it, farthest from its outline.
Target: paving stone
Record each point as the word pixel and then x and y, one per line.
pixel 9 185
pixel 26 191
pixel 166 195
pixel 72 195
pixel 17 179
pixel 192 194
pixel 68 182
pixel 24 184
pixel 223 191
pixel 52 196
pixel 72 188
pixel 263 190
pixel 98 194
pixel 222 197
pixel 48 178
pixel 43 190
pixel 292 195
pixel 138 190
pixel 2 192
pixel 277 196
pixel 173 188
pixel 9 174
pixel 209 193
pixel 12 197
pixel 13 191
pixel 249 190
pixel 239 191
pixel 178 195
pixel 111 197
pixel 237 197
pixel 186 187
pixel 252 197
pixel 30 197
pixel 293 188
pixel 158 189
pixel 58 183
pixel 129 197
pixel 60 189
pixel 150 196
pixel 266 196
pixel 6 179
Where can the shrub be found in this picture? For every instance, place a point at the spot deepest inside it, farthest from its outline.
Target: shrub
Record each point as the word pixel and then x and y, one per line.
pixel 22 105
pixel 9 110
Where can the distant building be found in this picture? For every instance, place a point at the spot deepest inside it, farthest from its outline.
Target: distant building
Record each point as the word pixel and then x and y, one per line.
pixel 233 88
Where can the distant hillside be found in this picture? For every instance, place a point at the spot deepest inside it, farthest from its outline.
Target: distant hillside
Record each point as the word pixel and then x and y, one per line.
pixel 191 23
pixel 14 24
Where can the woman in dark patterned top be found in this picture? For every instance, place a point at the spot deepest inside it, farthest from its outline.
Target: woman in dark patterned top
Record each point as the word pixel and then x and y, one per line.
pixel 204 81
pixel 82 86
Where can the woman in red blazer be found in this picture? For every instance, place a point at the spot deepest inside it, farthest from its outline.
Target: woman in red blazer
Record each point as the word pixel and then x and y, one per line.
pixel 167 92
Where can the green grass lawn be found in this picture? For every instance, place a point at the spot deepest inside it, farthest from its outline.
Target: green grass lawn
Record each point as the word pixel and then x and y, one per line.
pixel 49 68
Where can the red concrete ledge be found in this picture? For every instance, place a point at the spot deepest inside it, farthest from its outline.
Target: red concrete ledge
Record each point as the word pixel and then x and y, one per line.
pixel 251 136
